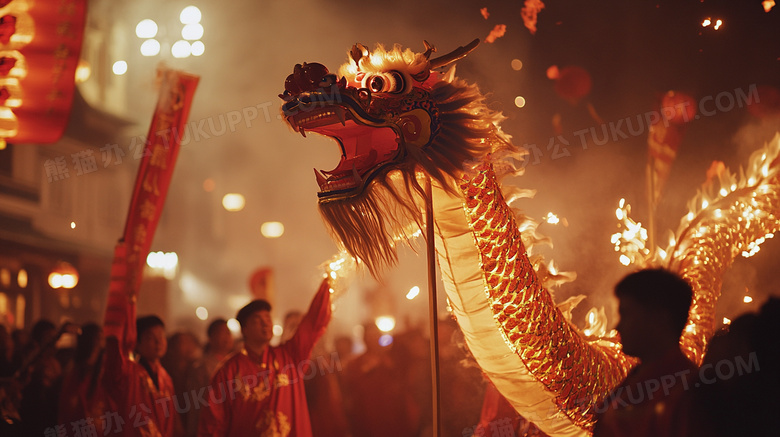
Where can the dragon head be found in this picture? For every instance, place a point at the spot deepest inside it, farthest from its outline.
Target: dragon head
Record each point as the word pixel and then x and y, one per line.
pixel 395 117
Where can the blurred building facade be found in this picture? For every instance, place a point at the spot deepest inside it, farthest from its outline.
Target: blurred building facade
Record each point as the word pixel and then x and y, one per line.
pixel 67 201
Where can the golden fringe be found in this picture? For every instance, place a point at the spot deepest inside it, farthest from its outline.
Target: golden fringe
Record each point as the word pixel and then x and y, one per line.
pixel 369 225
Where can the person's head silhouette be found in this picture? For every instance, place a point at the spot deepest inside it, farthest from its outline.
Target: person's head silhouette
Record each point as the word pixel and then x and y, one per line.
pixel 654 305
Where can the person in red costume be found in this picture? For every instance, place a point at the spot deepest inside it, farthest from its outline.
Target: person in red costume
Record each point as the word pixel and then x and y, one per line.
pixel 140 387
pixel 83 399
pixel 259 391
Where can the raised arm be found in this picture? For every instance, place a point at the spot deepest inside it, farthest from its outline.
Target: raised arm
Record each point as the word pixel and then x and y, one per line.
pixel 118 322
pixel 313 324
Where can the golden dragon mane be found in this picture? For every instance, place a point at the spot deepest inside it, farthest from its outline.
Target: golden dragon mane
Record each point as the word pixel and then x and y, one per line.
pixel 441 123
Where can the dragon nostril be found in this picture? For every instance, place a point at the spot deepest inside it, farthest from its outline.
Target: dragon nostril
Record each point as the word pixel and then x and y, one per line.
pixel 315 72
pixel 289 107
pixel 291 85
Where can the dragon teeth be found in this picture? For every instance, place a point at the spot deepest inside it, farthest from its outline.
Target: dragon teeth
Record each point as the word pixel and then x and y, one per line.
pixel 325 114
pixel 322 181
pixel 356 175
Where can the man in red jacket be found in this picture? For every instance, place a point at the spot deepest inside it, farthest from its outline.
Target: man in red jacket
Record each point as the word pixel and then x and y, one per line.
pixel 259 390
pixel 140 387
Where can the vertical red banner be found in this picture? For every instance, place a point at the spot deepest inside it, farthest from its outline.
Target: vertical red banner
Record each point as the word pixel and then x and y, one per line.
pixel 151 187
pixel 663 140
pixel 40 45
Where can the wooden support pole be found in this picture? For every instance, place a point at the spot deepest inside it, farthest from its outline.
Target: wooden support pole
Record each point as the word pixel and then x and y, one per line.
pixel 433 309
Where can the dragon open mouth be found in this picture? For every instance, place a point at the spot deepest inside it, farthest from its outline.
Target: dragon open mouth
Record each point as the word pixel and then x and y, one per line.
pixel 367 146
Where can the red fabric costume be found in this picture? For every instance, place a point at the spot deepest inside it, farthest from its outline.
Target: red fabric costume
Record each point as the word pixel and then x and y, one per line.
pixel 145 408
pixel 84 401
pixel 264 395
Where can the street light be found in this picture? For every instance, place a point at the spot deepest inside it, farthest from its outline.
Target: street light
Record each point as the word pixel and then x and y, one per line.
pixel 63 275
pixel 191 33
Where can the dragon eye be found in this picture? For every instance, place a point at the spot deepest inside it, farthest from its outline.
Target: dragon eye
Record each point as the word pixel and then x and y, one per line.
pixel 390 82
pixel 328 80
pixel 376 84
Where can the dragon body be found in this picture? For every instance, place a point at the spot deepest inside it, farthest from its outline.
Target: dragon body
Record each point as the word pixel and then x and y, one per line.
pixel 407 131
pixel 520 338
pixel 731 216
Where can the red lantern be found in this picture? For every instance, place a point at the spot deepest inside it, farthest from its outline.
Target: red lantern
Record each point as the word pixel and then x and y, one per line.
pixel 573 83
pixel 678 107
pixel 41 45
pixel 766 103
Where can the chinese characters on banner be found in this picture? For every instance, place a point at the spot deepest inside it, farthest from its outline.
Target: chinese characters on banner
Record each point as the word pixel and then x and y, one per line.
pixel 151 186
pixel 40 43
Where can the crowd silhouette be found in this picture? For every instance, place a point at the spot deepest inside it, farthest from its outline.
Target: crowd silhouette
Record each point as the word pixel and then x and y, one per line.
pixel 53 383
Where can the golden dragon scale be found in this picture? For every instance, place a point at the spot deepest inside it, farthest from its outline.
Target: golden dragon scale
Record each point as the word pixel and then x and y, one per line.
pixel 723 222
pixel 745 212
pixel 536 358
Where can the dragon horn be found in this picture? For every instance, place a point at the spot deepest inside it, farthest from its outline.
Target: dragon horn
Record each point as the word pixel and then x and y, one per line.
pixel 428 49
pixel 454 55
pixel 357 52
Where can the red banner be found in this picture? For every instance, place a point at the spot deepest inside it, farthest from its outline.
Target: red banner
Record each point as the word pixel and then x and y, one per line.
pixel 261 284
pixel 151 186
pixel 40 43
pixel 663 140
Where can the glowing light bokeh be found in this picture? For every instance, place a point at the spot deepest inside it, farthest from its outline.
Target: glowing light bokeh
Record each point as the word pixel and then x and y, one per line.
pixel 385 323
pixel 190 15
pixel 181 49
pixel 413 292
pixel 119 68
pixel 234 326
pixel 233 202
pixel 198 48
pixel 192 31
pixel 69 281
pixel 83 71
pixel 146 29
pixel 64 275
pixel 162 260
pixel 272 229
pixel 150 47
pixel 202 313
pixel 21 278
